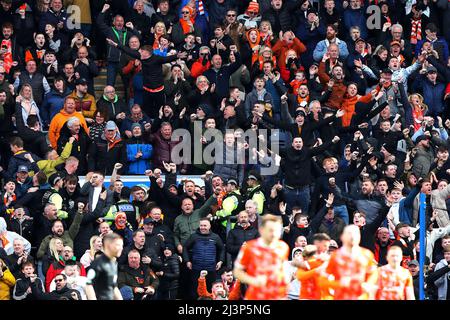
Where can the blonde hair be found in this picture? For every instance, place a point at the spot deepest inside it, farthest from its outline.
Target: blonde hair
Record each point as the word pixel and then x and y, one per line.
pixel 92 250
pixel 26 85
pixel 52 247
pixel 421 103
pixel 160 23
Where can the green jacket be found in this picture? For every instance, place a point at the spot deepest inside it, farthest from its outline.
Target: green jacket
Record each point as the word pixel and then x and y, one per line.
pixel 185 225
pixel 49 166
pixel 67 237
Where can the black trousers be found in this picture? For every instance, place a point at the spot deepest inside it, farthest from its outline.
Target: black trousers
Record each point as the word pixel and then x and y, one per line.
pixel 152 102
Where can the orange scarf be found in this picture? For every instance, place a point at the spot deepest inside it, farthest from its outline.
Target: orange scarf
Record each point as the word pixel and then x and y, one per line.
pixel 184 24
pixel 255 54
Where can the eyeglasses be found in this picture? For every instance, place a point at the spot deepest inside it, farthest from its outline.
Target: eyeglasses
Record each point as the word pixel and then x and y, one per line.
pixel 185 12
pixel 231 15
pixel 59 280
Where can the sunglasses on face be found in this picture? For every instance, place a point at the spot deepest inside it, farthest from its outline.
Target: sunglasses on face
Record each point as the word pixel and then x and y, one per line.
pixel 231 15
pixel 59 280
pixel 185 12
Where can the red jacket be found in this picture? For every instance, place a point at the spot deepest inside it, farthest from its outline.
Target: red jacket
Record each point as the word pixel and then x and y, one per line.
pixel 55 269
pixel 198 68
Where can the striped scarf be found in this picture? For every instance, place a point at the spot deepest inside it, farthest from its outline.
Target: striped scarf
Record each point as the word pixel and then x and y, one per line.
pixel 201 8
pixel 416 30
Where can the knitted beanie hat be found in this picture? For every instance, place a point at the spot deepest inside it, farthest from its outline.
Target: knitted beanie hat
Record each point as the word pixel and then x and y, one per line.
pixel 253 6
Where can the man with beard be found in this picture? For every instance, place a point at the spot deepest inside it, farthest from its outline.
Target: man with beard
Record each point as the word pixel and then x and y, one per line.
pixel 325 45
pixel 242 232
pixel 84 102
pixel 58 230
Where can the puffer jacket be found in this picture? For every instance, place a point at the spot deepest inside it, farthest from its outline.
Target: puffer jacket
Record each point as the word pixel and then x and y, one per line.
pixel 138 166
pixel 7 282
pixel 204 251
pixel 171 269
pixel 86 105
pixel 284 16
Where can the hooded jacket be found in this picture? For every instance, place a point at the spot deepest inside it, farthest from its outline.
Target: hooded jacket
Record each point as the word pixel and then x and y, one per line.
pixel 141 164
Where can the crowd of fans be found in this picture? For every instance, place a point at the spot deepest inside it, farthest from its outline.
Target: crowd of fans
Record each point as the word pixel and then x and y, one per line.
pixel 358 110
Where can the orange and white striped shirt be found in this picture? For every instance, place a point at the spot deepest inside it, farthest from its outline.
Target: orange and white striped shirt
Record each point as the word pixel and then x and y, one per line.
pixel 393 284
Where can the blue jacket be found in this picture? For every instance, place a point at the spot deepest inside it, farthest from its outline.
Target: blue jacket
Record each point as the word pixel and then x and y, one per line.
pixel 138 166
pixel 440 45
pixel 405 210
pixel 310 38
pixel 355 17
pixel 53 102
pixel 433 95
pixel 322 47
pixel 204 251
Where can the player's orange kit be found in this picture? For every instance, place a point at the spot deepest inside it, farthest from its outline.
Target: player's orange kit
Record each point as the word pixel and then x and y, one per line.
pixel 258 259
pixel 392 284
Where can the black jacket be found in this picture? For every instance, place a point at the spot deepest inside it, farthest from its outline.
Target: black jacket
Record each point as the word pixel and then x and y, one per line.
pixel 63 294
pixel 113 53
pixel 280 20
pixel 237 236
pixel 171 273
pixel 80 147
pixel 102 158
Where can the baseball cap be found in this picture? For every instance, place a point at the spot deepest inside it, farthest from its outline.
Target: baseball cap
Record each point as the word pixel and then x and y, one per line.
pixel 111 125
pixel 422 137
pixel 393 43
pixel 233 181
pixel 148 221
pixel 413 262
pixel 22 169
pixel 386 70
pixel 81 81
pixel 360 39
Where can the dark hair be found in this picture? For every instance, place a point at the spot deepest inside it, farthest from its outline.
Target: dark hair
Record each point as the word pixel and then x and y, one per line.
pixel 7 25
pixel 16 141
pixel 32 120
pixel 41 178
pixel 26 264
pixel 125 193
pixel 71 179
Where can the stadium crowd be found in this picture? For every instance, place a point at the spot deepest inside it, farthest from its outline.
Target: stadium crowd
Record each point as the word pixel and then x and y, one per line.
pixel 358 108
